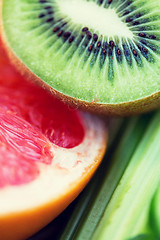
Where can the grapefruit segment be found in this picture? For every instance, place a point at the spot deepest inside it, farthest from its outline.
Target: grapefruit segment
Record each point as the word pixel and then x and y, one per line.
pixel 48 153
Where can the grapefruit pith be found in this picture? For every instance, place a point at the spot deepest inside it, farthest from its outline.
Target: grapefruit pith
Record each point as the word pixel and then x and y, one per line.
pixel 48 153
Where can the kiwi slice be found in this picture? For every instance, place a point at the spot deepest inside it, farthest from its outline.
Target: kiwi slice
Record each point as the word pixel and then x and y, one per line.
pixel 103 55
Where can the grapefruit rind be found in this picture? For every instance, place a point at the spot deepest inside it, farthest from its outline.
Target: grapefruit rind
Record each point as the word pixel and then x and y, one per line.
pixel 27 208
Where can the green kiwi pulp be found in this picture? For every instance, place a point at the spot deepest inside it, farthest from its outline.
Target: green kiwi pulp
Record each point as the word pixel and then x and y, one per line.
pixel 105 52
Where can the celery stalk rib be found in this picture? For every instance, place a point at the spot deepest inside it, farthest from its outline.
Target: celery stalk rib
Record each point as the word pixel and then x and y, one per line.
pixel 126 214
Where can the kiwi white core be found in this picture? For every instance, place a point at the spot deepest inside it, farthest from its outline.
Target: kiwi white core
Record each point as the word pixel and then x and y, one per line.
pixel 89 14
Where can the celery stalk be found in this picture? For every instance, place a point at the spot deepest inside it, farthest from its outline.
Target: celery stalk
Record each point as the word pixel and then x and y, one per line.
pixel 154 214
pixel 126 214
pixel 153 219
pixel 106 180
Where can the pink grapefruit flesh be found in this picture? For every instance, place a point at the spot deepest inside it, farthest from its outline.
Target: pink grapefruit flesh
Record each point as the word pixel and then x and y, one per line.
pixel 48 153
pixel 29 125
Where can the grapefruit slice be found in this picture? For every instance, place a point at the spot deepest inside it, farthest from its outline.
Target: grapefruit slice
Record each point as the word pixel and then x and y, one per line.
pixel 48 153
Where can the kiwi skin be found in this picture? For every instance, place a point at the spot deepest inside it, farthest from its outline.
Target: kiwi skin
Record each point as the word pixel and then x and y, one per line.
pixel 143 105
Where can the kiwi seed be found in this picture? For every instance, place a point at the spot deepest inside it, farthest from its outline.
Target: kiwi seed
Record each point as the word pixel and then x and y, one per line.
pixel 138 50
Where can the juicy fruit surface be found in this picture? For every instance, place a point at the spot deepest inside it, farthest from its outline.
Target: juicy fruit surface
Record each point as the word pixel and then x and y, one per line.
pixel 48 153
pixel 103 51
pixel 20 147
pixel 30 121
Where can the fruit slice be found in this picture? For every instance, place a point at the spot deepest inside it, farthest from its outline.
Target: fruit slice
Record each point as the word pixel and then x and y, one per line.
pixel 48 153
pixel 102 55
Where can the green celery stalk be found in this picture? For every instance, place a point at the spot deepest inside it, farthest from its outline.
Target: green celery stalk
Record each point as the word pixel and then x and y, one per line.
pixel 89 211
pixel 126 214
pixel 154 213
pixel 153 219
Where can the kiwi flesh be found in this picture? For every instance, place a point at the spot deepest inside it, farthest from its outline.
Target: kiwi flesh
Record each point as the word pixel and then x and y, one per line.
pixel 101 55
